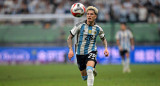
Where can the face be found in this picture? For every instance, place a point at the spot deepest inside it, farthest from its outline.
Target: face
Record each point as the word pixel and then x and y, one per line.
pixel 91 16
pixel 123 26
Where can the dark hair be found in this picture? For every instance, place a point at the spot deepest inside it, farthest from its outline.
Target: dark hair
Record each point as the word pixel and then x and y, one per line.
pixel 123 23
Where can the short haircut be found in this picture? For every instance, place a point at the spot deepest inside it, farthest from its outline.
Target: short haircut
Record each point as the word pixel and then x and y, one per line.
pixel 123 23
pixel 92 8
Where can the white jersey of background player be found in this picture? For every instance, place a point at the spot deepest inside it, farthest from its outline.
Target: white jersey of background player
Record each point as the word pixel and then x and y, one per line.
pixel 86 50
pixel 125 41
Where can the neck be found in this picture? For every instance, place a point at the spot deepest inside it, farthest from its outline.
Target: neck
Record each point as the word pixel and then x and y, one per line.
pixel 123 29
pixel 91 23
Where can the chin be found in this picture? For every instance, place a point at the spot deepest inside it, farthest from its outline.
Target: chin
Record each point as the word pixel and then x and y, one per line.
pixel 89 20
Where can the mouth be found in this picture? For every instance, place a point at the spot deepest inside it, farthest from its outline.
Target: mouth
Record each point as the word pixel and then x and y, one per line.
pixel 89 18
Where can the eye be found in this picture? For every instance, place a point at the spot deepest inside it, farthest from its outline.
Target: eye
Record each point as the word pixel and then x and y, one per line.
pixel 92 14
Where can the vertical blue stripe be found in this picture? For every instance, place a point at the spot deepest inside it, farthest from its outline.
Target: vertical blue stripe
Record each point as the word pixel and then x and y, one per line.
pixel 87 41
pixel 97 32
pixel 123 40
pixel 80 39
pixel 128 35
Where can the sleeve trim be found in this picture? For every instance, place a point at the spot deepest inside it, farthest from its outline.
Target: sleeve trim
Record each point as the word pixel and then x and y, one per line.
pixel 71 33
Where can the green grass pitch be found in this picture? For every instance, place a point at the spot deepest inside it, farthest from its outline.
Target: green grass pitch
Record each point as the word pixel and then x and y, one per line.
pixel 69 75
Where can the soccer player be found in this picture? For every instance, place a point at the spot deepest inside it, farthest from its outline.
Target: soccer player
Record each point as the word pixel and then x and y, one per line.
pixel 86 50
pixel 125 41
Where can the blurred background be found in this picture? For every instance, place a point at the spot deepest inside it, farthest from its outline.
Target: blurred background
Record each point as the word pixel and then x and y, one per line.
pixel 35 31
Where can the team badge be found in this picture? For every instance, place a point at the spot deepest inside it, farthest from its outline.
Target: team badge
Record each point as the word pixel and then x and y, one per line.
pixel 90 31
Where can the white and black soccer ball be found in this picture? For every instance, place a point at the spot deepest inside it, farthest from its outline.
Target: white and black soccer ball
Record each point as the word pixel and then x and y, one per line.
pixel 78 9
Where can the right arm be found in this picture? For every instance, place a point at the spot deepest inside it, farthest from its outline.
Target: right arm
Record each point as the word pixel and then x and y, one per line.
pixel 69 41
pixel 73 32
pixel 118 41
pixel 118 44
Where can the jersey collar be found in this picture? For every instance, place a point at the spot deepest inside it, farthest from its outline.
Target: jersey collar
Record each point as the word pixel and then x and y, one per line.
pixel 89 25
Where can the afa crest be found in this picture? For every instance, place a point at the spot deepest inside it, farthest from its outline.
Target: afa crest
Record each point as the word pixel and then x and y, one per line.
pixel 90 31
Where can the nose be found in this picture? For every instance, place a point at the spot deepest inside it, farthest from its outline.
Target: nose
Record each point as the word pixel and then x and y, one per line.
pixel 89 15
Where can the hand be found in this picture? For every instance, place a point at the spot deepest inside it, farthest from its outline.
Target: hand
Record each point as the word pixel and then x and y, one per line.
pixel 120 48
pixel 132 47
pixel 106 53
pixel 70 54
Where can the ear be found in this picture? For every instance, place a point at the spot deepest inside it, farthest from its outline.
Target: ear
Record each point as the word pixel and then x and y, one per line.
pixel 95 16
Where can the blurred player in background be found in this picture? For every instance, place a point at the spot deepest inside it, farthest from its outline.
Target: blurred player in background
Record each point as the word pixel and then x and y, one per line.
pixel 125 41
pixel 86 50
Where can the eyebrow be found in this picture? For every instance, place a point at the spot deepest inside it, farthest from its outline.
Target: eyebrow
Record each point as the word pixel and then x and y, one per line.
pixel 91 13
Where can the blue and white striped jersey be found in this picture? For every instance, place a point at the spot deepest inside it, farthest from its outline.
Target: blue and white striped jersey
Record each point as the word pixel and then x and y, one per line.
pixel 86 37
pixel 124 38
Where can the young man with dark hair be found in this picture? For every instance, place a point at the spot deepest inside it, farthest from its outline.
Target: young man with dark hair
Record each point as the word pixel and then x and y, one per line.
pixel 125 41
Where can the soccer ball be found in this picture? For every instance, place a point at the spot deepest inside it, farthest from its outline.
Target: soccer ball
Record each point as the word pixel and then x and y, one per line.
pixel 78 9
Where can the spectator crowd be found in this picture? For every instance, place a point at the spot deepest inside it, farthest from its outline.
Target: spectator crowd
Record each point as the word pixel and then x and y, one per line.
pixel 117 10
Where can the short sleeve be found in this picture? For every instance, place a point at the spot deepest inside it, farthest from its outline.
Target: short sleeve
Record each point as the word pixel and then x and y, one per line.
pixel 130 34
pixel 117 36
pixel 74 30
pixel 101 33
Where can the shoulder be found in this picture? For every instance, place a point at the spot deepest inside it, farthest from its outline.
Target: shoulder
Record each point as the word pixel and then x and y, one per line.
pixel 129 31
pixel 80 23
pixel 118 32
pixel 98 27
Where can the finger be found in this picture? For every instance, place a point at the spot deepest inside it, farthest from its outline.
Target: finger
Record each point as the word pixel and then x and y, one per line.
pixel 69 58
pixel 107 54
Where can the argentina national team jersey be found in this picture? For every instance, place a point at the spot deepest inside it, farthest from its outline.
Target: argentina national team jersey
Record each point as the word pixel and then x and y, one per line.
pixel 86 37
pixel 124 38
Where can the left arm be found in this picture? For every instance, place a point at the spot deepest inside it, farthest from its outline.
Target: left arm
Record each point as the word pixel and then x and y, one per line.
pixel 132 43
pixel 131 40
pixel 104 41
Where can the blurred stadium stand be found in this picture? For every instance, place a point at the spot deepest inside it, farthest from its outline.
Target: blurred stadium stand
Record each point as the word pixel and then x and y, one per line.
pixel 40 22
pixel 30 33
